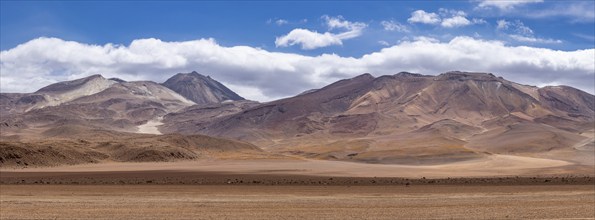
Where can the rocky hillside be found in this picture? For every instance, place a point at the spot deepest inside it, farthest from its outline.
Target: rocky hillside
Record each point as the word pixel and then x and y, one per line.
pixel 405 117
pixel 200 89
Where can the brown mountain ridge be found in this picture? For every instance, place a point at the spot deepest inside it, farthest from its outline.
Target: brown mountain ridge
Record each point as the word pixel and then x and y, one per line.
pixel 404 118
pixel 411 118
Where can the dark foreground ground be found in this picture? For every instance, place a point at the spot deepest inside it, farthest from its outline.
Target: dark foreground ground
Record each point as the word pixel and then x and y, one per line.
pixel 225 178
pixel 171 194
pixel 296 201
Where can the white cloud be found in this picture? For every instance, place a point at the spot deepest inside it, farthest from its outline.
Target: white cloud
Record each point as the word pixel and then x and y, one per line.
pixel 504 4
pixel 578 11
pixel 519 32
pixel 340 23
pixel 307 39
pixel 456 21
pixel 420 16
pixel 533 39
pixel 351 29
pixel 502 24
pixel 394 26
pixel 450 12
pixel 478 21
pixel 447 18
pixel 522 29
pixel 281 22
pixel 383 43
pixel 515 26
pixel 426 39
pixel 263 75
pixel 311 39
pixel 585 36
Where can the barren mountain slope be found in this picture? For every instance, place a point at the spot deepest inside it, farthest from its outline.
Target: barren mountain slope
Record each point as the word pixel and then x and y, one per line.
pixel 94 146
pixel 200 89
pixel 186 120
pixel 122 106
pixel 404 118
pixel 408 117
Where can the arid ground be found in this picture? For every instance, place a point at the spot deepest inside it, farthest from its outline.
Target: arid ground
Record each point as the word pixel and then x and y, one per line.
pixel 298 189
pixel 296 202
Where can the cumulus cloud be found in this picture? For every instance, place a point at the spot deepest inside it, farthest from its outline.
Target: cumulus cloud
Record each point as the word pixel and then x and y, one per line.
pixel 504 4
pixel 456 21
pixel 394 26
pixel 308 39
pixel 421 16
pixel 311 39
pixel 263 75
pixel 447 18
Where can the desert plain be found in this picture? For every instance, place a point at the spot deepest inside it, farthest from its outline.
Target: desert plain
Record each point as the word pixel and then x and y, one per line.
pixel 297 202
pixel 300 189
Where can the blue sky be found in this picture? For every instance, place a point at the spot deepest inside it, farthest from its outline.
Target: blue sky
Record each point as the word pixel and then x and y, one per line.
pixel 247 23
pixel 309 29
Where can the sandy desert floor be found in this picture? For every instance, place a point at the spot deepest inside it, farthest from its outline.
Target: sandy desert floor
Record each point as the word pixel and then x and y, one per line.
pixel 295 202
pixel 495 165
pixel 494 188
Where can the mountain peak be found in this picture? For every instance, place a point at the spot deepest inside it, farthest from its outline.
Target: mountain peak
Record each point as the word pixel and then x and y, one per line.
pixel 364 76
pixel 69 85
pixel 200 89
pixel 462 76
pixel 194 73
pixel 117 80
pixel 408 74
pixel 95 76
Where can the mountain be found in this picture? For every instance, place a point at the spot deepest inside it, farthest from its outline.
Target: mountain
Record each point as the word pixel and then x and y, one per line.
pixel 185 121
pixel 413 118
pixel 95 119
pixel 92 102
pixel 94 146
pixel 200 89
pixel 55 94
pixel 405 118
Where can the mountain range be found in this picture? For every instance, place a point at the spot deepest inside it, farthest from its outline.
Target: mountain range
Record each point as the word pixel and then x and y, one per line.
pixel 405 118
